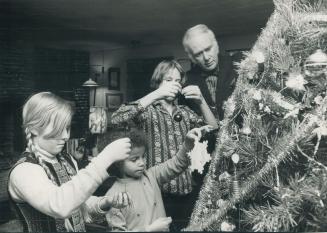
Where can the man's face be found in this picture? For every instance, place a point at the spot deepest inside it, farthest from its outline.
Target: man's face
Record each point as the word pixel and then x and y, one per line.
pixel 203 50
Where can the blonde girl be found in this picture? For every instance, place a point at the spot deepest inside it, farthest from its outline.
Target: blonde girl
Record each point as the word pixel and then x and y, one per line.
pixel 48 191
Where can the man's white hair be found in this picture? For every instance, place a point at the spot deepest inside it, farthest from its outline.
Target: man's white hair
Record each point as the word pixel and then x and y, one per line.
pixel 194 31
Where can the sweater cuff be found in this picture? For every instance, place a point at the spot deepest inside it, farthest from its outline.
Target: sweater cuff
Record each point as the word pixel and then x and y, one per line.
pixel 140 107
pixel 98 208
pixel 97 165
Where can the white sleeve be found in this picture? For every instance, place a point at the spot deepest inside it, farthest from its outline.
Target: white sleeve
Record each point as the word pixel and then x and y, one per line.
pixel 29 183
pixel 92 205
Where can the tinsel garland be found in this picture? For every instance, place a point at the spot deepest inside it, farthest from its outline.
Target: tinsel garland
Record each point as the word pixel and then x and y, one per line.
pixel 287 144
pixel 281 21
pixel 266 37
pixel 209 179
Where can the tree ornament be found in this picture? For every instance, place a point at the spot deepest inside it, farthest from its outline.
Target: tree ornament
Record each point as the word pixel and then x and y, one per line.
pixel 178 117
pixel 261 106
pixel 235 158
pixel 258 56
pixel 316 64
pixel 246 130
pixel 220 203
pixel 236 189
pixel 255 94
pixel 267 109
pixel 224 176
pixel 226 226
pixel 209 203
pixel 199 156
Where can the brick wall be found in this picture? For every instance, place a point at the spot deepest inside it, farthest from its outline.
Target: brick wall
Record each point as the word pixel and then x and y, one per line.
pixel 24 71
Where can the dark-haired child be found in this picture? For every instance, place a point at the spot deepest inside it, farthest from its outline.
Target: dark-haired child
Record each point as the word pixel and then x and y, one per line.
pixel 165 124
pixel 147 212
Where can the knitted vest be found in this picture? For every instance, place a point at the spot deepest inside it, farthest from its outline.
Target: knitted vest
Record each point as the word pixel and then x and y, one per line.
pixel 32 219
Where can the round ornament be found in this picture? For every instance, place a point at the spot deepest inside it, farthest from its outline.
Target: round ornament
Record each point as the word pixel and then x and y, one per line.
pixel 178 117
pixel 316 64
pixel 246 130
pixel 235 158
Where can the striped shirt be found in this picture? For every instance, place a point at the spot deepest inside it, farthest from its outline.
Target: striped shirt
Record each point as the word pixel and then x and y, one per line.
pixel 212 86
pixel 164 135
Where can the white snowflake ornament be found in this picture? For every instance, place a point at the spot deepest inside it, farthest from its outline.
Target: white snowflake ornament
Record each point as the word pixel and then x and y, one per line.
pixel 199 156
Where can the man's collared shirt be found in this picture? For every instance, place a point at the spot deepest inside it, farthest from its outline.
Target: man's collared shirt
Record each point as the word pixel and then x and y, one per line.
pixel 226 80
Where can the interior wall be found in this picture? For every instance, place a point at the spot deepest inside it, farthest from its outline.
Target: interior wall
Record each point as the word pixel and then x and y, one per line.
pixel 107 59
pixel 118 57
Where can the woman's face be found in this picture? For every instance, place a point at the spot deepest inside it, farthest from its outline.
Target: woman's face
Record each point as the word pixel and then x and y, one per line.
pixel 52 145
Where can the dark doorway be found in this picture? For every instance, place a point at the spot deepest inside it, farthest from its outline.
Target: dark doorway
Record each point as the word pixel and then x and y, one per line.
pixel 139 72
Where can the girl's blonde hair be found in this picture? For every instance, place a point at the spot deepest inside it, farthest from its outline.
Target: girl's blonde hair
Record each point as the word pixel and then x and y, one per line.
pixel 43 108
pixel 39 111
pixel 163 68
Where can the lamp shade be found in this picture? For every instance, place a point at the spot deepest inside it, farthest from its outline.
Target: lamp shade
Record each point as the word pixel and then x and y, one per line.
pixel 98 120
pixel 90 83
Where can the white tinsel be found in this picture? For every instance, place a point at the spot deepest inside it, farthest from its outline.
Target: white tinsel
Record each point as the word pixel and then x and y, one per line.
pixel 225 226
pixel 296 82
pixel 258 56
pixel 256 94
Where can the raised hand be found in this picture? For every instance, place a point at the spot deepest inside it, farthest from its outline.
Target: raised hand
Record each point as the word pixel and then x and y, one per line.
pixel 118 150
pixel 195 135
pixel 160 224
pixel 118 200
pixel 193 92
pixel 168 90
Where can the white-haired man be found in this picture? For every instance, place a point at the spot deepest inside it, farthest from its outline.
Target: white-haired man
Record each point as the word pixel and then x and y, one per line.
pixel 213 79
pixel 212 73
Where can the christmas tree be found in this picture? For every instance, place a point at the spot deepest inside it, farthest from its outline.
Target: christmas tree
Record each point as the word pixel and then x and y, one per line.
pixel 269 168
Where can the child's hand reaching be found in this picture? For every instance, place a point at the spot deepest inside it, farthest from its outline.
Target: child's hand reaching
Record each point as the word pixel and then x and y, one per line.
pixel 118 150
pixel 160 224
pixel 168 89
pixel 118 200
pixel 195 134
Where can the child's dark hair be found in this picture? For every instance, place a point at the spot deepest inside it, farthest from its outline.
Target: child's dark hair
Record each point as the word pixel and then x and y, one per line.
pixel 137 138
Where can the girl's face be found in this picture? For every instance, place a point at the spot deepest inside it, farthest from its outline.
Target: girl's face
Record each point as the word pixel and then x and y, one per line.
pixel 134 165
pixel 52 145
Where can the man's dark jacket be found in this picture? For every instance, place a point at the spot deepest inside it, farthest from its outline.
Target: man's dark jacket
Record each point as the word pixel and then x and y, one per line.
pixel 225 84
